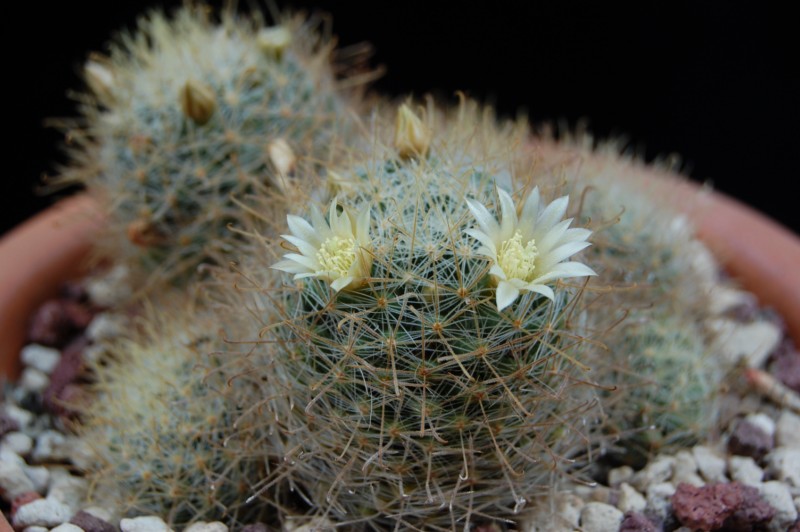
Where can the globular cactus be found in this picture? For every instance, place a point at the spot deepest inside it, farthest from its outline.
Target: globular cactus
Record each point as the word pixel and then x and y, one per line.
pixel 187 117
pixel 660 355
pixel 412 376
pixel 158 423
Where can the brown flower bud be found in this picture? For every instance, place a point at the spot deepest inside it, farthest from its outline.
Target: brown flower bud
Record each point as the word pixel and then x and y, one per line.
pixel 198 101
pixel 142 233
pixel 412 138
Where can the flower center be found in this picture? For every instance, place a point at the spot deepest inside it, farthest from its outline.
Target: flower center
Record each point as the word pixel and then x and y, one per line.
pixel 516 260
pixel 337 255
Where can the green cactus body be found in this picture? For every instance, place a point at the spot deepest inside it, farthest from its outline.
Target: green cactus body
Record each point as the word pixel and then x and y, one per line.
pixel 187 116
pixel 407 398
pixel 159 422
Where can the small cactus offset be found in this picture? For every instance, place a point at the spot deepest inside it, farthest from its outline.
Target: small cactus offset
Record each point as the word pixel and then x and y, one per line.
pixel 421 371
pixel 187 117
pixel 159 421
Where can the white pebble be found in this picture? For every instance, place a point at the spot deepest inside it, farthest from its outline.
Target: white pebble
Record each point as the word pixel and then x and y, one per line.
pixel 50 447
pixel 745 470
pixel 67 527
pixel 630 500
pixel 202 526
pixel 111 288
pixel 659 499
pixel 105 325
pixel 35 528
pixel 656 472
pixel 42 512
pixel 763 422
pixel 67 489
pixel 751 342
pixel 784 465
pixel 19 442
pixel 787 430
pixel 618 475
pixel 20 415
pixel 148 523
pixel 98 512
pixel 32 380
pixel 777 495
pixel 13 480
pixel 40 357
pixel 600 517
pixel 317 524
pixel 711 465
pixel 723 298
pixel 685 469
pixel 40 476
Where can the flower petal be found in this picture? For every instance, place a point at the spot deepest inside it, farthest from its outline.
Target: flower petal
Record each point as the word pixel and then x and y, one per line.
pixel 341 282
pixel 506 294
pixel 553 213
pixel 509 222
pixel 309 262
pixel 565 270
pixel 485 220
pixel 302 229
pixel 545 290
pixel 289 266
pixel 530 211
pixel 307 249
pixel 484 239
pixel 562 252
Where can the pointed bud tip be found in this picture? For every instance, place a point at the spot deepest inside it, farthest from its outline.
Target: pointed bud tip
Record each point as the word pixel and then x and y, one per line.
pixel 273 41
pixel 198 101
pixel 412 138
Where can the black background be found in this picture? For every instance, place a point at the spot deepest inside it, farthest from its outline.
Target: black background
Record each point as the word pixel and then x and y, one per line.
pixel 715 82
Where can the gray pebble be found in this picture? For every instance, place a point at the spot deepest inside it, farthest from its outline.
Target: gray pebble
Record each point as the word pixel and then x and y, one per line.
pixel 618 475
pixel 659 500
pixel 658 471
pixel 67 527
pixel 40 357
pixel 20 415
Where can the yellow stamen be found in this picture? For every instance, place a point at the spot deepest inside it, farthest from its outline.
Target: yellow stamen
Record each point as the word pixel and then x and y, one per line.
pixel 337 255
pixel 518 262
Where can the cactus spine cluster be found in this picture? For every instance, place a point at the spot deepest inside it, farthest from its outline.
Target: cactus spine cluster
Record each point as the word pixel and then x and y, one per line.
pixel 420 344
pixel 187 117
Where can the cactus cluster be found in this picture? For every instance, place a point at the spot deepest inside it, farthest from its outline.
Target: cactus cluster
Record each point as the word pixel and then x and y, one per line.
pixel 405 395
pixel 188 116
pixel 431 322
pixel 160 421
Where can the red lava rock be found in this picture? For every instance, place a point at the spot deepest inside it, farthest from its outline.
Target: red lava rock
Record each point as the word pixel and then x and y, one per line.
pixel 66 372
pixel 733 507
pixel 23 499
pixel 7 423
pixel 753 511
pixel 90 523
pixel 57 321
pixel 636 522
pixel 705 507
pixel 749 440
pixel 786 364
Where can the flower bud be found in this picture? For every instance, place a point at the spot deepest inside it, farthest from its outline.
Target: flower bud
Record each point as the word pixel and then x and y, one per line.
pixel 99 77
pixel 283 159
pixel 412 138
pixel 273 41
pixel 198 101
pixel 142 233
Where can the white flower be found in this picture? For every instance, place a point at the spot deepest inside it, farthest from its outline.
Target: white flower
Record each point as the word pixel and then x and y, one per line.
pixel 528 251
pixel 337 250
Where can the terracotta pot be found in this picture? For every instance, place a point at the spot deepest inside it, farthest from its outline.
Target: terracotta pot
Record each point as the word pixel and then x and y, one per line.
pixel 42 253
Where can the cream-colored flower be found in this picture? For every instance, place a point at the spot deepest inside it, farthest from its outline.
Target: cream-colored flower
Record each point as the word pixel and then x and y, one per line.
pixel 527 251
pixel 338 250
